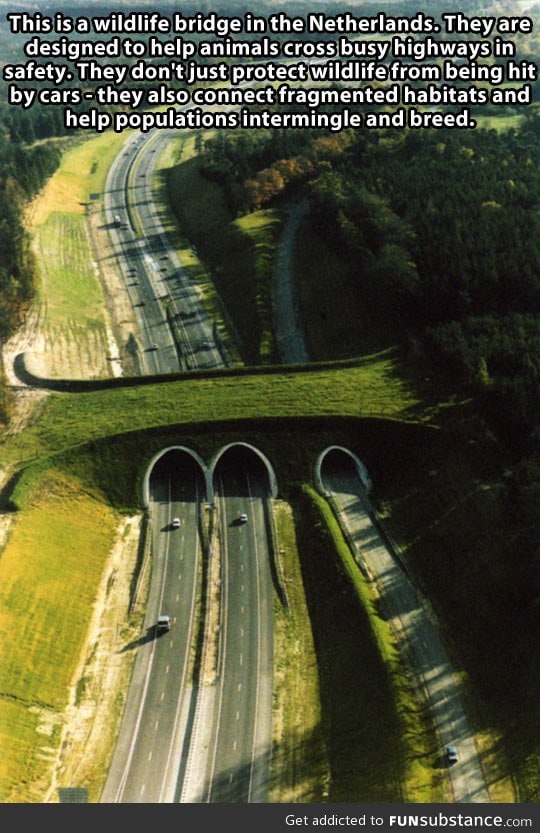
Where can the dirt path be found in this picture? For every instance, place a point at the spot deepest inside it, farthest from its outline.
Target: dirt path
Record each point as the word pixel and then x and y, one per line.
pixel 287 324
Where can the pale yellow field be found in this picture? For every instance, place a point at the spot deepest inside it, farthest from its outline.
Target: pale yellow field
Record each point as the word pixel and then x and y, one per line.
pixel 49 572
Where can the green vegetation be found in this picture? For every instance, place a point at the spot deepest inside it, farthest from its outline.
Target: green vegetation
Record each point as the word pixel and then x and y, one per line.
pixel 49 574
pixel 81 174
pixel 370 389
pixel 334 330
pixel 420 261
pixel 380 743
pixel 299 757
pixel 68 285
pixel 238 255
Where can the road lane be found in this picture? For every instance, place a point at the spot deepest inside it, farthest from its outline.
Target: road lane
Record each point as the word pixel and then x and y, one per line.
pixel 162 293
pixel 234 757
pixel 147 756
pixel 176 331
pixel 415 623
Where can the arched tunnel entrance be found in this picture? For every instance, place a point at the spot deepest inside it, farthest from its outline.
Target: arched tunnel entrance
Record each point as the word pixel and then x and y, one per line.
pixel 174 475
pixel 337 467
pixel 241 470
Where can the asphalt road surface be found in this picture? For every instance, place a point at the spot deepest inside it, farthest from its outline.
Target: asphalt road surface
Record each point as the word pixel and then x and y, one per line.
pixel 232 749
pixel 147 760
pixel 158 755
pixel 176 332
pixel 429 659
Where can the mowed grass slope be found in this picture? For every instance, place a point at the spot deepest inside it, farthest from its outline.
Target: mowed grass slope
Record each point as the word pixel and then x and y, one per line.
pixel 67 278
pixel 73 338
pixel 82 174
pixel 72 305
pixel 50 570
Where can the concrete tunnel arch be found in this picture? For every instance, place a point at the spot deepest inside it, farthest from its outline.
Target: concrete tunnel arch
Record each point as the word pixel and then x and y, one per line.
pixel 198 459
pixel 269 468
pixel 359 465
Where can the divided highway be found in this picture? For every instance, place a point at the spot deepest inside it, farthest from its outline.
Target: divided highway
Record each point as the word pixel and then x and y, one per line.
pixel 176 331
pixel 184 742
pixel 232 763
pixel 161 755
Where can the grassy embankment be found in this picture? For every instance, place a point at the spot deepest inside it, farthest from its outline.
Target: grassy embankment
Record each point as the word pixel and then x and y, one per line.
pixel 381 742
pixel 113 465
pixel 238 253
pixel 70 297
pixel 300 766
pixel 68 420
pixel 68 487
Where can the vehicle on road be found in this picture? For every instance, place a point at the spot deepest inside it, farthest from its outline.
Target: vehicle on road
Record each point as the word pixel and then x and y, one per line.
pixel 163 623
pixel 176 523
pixel 451 754
pixel 243 518
pixel 204 345
pixel 155 346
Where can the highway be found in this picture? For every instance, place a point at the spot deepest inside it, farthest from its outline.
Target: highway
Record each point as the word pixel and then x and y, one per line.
pixel 413 620
pixel 230 749
pixel 176 331
pixel 239 759
pixel 159 757
pixel 181 742
pixel 147 758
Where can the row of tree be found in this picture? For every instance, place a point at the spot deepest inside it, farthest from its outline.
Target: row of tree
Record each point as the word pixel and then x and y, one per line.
pixel 23 170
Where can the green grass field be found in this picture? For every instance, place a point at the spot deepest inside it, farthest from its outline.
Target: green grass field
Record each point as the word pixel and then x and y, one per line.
pixel 68 285
pixel 81 176
pixel 49 574
pixel 72 305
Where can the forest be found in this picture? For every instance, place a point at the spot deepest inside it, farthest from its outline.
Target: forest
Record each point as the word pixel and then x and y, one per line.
pixel 440 234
